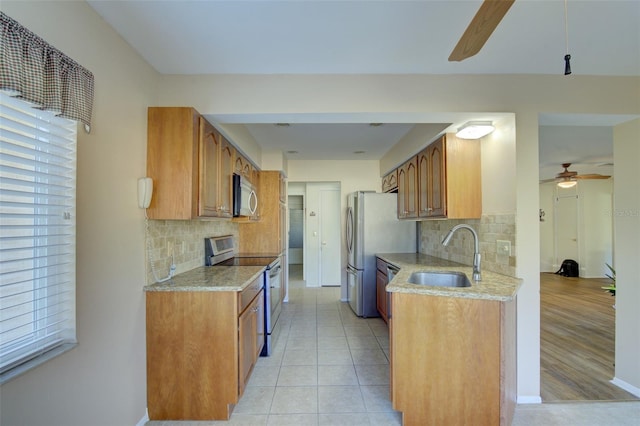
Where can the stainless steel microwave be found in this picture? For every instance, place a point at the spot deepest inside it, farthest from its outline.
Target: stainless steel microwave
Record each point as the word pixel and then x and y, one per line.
pixel 245 199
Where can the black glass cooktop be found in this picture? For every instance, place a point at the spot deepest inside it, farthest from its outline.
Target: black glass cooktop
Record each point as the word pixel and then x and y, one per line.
pixel 248 261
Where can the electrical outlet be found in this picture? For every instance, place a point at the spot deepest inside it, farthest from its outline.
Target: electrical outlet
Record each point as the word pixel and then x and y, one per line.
pixel 503 247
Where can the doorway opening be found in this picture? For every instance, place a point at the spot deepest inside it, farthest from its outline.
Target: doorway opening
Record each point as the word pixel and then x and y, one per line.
pixel 296 237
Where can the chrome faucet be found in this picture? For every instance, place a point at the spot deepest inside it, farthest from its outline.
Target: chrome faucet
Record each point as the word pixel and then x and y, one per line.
pixel 476 255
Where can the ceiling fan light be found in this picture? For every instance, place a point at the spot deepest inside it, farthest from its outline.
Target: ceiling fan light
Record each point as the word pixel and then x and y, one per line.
pixel 475 129
pixel 565 184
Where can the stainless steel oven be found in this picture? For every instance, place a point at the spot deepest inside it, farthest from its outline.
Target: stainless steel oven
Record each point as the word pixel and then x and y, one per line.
pixel 219 251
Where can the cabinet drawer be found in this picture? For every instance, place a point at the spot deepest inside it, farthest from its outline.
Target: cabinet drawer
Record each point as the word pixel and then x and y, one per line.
pixel 249 293
pixel 381 265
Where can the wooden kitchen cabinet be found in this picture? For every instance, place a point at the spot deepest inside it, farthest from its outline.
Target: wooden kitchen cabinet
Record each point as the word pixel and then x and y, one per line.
pixel 390 181
pixel 453 360
pixel 190 165
pixel 243 167
pixel 215 160
pixel 450 179
pixel 268 235
pixel 250 339
pixel 201 349
pixel 408 189
pixel 381 294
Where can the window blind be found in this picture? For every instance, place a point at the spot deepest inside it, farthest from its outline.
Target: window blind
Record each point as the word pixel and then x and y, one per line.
pixel 37 233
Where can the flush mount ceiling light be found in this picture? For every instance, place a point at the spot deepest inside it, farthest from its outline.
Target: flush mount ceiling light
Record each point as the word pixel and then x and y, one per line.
pixel 569 183
pixel 475 129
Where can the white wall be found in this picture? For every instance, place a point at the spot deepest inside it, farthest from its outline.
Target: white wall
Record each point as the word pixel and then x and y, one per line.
pixel 626 154
pixel 410 144
pixel 103 380
pixel 107 369
pixel 498 158
pixel 352 176
pixel 594 226
pixel 548 260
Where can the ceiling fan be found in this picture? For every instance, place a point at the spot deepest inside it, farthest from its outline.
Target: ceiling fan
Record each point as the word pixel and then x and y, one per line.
pixel 568 178
pixel 480 29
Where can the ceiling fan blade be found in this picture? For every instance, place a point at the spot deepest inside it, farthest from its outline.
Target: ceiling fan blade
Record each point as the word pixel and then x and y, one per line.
pixel 480 29
pixel 592 176
pixel 548 180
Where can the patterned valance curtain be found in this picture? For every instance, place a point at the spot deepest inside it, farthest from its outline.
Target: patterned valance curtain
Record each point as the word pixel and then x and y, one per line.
pixel 37 72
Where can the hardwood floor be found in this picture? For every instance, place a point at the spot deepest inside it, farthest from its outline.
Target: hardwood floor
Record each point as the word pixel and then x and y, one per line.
pixel 577 331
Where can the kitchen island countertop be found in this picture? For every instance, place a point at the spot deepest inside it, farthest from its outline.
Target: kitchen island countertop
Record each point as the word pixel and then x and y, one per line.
pixel 210 278
pixel 493 286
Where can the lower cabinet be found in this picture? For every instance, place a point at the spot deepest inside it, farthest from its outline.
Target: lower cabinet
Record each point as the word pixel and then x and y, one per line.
pixel 201 349
pixel 250 338
pixel 453 360
pixel 381 289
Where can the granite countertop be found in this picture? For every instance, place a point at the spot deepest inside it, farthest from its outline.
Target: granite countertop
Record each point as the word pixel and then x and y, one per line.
pixel 493 286
pixel 211 278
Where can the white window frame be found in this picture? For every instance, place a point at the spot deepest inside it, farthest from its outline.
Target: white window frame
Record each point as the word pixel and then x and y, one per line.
pixel 37 236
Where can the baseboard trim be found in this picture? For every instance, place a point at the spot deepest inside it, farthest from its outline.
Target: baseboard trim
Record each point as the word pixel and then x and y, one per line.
pixel 143 421
pixel 527 399
pixel 626 386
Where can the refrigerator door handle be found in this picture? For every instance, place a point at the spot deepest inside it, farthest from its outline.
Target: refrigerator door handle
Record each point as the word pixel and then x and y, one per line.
pixel 349 230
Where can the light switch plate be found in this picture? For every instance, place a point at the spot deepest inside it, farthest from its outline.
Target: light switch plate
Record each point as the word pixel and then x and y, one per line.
pixel 503 247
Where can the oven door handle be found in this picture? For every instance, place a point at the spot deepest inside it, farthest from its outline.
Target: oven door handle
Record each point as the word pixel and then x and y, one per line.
pixel 273 272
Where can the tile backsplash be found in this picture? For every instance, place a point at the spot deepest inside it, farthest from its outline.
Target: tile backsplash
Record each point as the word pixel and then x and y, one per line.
pixel 490 228
pixel 185 238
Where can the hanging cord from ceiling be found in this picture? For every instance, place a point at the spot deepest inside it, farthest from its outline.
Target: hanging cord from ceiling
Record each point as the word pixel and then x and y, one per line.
pixel 567 56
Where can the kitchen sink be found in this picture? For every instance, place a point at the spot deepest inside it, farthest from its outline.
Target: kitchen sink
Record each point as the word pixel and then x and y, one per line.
pixel 440 279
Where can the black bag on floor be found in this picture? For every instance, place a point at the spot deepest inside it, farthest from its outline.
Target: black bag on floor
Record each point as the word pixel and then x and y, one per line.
pixel 569 268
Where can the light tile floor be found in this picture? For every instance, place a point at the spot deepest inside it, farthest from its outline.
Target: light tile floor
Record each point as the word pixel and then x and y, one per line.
pixel 330 367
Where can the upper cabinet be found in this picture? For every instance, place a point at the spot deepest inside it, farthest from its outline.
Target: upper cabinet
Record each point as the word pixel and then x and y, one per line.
pixel 408 189
pixel 445 183
pixel 244 168
pixel 390 181
pixel 215 161
pixel 431 180
pixel 268 235
pixel 190 163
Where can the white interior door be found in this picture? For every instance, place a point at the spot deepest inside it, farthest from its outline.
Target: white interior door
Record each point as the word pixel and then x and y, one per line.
pixel 566 222
pixel 330 241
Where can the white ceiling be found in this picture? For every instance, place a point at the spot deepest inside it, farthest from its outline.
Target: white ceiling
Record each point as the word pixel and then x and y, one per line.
pixel 373 37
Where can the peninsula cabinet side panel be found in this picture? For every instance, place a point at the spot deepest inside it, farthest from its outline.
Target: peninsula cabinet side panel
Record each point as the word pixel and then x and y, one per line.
pixel 446 360
pixel 192 355
pixel 509 388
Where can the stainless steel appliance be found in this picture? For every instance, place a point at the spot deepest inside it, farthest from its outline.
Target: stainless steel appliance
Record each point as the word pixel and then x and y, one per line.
pixel 219 252
pixel 372 227
pixel 245 200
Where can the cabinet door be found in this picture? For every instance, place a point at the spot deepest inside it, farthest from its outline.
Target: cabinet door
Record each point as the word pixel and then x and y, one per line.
pixel 402 191
pixel 381 294
pixel 225 178
pixel 408 189
pixel 260 326
pixel 250 339
pixel 423 183
pixel 208 169
pixel 390 182
pixel 436 179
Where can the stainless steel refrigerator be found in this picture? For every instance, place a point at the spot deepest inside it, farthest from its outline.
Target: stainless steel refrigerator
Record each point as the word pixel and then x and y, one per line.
pixel 372 227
